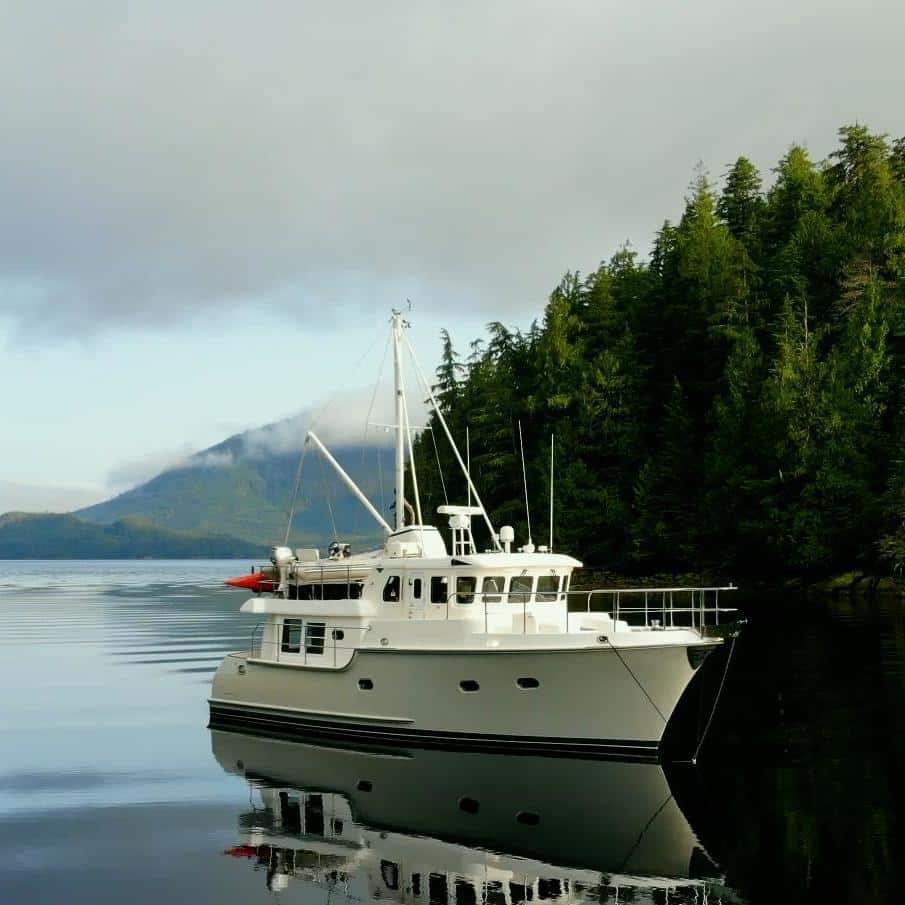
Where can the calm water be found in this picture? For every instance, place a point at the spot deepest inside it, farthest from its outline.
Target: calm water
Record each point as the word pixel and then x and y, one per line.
pixel 112 789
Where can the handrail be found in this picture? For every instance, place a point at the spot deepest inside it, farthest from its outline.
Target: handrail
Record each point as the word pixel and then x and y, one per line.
pixel 658 610
pixel 329 634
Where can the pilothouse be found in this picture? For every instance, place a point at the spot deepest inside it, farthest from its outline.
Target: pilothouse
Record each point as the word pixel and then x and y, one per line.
pixel 423 643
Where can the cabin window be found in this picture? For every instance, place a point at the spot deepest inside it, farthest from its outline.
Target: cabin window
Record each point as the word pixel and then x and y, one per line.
pixel 469 685
pixel 391 589
pixel 337 826
pixel 439 593
pixel 416 589
pixel 292 636
pixel 291 812
pixel 547 587
pixel 365 684
pixel 529 818
pixel 466 585
pixel 337 590
pixel 437 889
pixel 314 637
pixel 527 682
pixel 565 583
pixel 465 893
pixel 469 805
pixel 495 894
pixel 416 884
pixel 520 588
pixel 314 815
pixel 493 588
pixel 389 871
pixel 338 634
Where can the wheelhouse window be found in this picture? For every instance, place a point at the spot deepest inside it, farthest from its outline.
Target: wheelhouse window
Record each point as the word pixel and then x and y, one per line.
pixel 328 591
pixel 547 587
pixel 291 640
pixel 493 588
pixel 314 637
pixel 466 585
pixel 391 589
pixel 439 592
pixel 416 589
pixel 520 588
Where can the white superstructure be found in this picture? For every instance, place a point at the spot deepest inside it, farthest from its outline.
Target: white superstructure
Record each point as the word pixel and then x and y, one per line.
pixel 424 643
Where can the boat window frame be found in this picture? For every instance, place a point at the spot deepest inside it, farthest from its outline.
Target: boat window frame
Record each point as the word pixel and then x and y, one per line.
pixel 437 582
pixel 391 579
pixel 312 648
pixel 495 596
pixel 287 625
pixel 466 597
pixel 549 595
pixel 522 595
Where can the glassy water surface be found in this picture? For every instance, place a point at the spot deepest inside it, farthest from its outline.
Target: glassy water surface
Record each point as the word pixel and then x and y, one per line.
pixel 112 788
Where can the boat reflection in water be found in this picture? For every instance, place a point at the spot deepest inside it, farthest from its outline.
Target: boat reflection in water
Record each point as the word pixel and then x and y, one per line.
pixel 431 827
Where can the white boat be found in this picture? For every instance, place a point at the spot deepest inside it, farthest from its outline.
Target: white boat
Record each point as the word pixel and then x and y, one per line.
pixel 420 643
pixel 441 827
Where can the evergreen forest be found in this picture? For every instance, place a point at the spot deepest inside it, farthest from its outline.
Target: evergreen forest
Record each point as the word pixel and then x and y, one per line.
pixel 733 406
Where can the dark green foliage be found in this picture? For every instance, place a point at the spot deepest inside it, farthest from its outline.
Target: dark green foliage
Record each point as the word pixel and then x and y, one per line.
pixel 732 405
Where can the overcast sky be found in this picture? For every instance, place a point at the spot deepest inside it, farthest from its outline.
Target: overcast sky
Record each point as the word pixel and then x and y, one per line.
pixel 208 208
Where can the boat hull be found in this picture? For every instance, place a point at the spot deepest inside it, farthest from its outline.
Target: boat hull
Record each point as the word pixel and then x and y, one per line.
pixel 597 701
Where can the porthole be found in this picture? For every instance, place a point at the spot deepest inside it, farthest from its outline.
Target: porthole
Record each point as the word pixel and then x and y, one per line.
pixel 529 818
pixel 469 805
pixel 365 684
pixel 469 685
pixel 527 682
pixel 365 785
pixel 338 634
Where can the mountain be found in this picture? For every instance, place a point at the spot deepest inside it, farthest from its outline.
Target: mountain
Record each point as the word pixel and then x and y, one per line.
pixel 243 487
pixel 29 536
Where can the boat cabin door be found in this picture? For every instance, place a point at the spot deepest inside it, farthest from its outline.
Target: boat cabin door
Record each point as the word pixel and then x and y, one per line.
pixel 415 589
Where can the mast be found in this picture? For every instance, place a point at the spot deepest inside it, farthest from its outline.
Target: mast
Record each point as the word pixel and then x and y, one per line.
pixel 400 420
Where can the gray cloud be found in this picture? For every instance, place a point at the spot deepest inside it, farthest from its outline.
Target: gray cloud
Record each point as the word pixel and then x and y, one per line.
pixel 167 159
pixel 343 419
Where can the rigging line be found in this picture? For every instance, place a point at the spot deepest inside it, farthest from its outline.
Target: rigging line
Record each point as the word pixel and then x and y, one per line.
pixel 430 393
pixel 327 497
pixel 414 475
pixel 625 861
pixel 383 361
pixel 383 504
pixel 312 424
pixel 439 466
pixel 524 479
pixel 716 701
pixel 295 491
pixel 637 682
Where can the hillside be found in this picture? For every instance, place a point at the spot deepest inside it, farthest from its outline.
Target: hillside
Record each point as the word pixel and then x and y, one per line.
pixel 27 536
pixel 242 487
pixel 733 405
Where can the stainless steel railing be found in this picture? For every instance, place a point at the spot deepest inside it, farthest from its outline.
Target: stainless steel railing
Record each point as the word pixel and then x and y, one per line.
pixel 325 648
pixel 657 608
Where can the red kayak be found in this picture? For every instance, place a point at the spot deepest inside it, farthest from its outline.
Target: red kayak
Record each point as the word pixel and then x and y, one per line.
pixel 255 581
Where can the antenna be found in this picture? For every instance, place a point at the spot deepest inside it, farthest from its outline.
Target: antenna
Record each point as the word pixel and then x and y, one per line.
pixel 550 545
pixel 525 482
pixel 468 459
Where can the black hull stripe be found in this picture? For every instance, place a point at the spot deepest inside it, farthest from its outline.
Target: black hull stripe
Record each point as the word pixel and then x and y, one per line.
pixel 287 724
